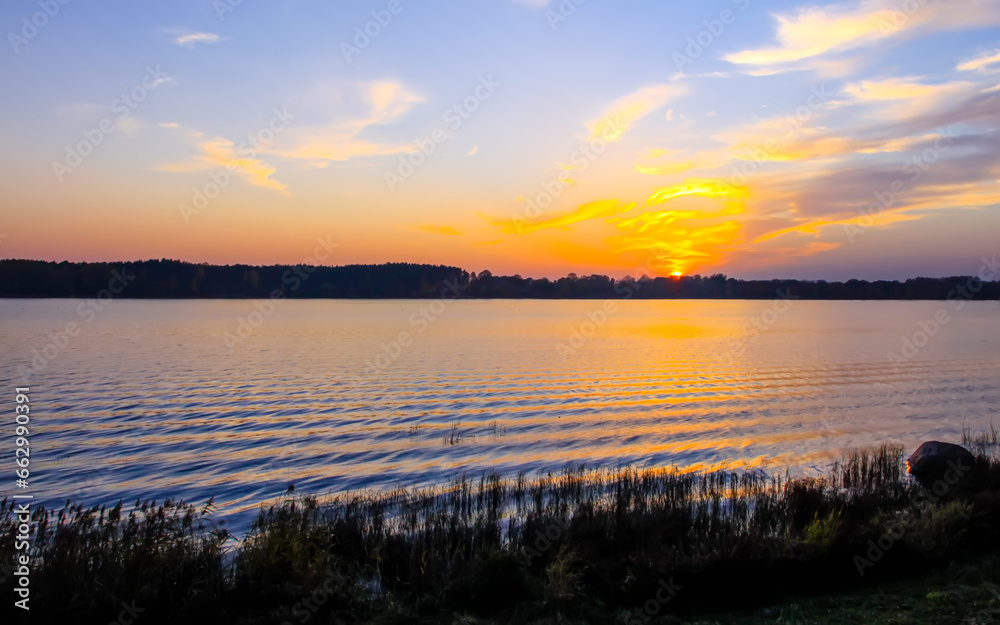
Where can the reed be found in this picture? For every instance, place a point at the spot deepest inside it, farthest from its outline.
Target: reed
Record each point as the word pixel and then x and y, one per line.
pixel 584 545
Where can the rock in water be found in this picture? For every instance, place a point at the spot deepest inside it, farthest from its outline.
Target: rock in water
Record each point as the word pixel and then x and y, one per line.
pixel 943 465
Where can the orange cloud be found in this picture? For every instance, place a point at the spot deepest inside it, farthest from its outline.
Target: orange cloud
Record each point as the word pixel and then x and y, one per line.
pixel 219 153
pixel 524 225
pixel 677 241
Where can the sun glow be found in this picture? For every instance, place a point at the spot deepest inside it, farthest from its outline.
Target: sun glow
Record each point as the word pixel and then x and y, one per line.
pixel 679 238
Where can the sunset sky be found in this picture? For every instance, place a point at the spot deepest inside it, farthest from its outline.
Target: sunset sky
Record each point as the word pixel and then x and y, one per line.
pixel 754 138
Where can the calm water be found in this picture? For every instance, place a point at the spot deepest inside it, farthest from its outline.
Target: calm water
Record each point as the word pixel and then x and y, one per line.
pixel 152 399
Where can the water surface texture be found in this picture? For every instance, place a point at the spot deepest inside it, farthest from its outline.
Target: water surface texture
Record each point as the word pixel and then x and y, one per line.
pixel 179 399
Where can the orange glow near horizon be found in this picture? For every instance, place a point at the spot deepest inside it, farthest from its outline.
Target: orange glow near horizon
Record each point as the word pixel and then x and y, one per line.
pixel 678 241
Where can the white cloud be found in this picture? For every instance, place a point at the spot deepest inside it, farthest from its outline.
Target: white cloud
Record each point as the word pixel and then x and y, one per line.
pixel 191 39
pixel 385 102
pixel 988 61
pixel 818 31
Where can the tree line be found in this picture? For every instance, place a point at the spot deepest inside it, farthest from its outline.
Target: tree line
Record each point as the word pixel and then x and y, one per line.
pixel 171 279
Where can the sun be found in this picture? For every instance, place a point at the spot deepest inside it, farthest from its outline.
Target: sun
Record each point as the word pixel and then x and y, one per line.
pixel 677 274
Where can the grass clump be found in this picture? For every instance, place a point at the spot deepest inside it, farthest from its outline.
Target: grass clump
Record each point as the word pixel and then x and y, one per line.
pixel 577 546
pixel 87 561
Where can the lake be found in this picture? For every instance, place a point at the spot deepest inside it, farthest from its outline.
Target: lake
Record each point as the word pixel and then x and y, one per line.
pixel 236 400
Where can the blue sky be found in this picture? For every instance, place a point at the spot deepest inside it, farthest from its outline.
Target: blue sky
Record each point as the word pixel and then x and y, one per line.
pixel 820 106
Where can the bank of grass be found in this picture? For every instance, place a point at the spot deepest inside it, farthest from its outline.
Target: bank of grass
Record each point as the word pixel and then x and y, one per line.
pixel 623 546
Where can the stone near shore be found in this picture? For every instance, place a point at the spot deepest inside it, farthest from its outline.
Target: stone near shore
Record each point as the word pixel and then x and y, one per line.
pixel 943 467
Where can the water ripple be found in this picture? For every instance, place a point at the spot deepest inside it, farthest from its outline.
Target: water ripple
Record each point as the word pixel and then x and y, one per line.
pixel 149 401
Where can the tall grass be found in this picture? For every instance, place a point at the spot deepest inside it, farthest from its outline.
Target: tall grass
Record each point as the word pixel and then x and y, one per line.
pixel 579 544
pixel 981 442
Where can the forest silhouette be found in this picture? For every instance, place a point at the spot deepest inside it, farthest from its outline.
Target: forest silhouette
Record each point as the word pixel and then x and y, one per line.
pixel 171 279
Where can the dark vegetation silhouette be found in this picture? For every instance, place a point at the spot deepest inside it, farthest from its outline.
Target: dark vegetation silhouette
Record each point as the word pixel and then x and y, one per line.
pixel 171 279
pixel 581 546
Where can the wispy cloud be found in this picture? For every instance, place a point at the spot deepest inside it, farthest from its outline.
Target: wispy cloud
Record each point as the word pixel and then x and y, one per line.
pixel 987 61
pixel 813 32
pixel 189 40
pixel 890 89
pixel 603 208
pixel 619 117
pixel 218 153
pixel 385 102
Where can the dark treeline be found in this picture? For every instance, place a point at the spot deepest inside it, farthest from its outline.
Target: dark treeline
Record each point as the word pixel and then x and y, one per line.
pixel 175 279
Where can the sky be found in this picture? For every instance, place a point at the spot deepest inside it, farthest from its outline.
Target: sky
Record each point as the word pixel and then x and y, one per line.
pixel 760 139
